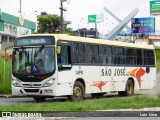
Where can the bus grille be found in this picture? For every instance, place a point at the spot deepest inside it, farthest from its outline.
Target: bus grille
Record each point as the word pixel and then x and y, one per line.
pixel 31 90
pixel 33 85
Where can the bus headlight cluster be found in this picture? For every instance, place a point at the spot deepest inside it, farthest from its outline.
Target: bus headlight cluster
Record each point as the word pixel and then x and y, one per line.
pixel 16 83
pixel 48 83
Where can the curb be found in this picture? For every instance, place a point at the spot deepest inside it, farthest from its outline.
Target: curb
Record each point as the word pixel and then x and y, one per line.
pixel 10 96
pixel 6 96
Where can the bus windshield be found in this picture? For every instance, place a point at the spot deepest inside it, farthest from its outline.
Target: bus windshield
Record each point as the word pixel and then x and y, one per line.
pixel 33 61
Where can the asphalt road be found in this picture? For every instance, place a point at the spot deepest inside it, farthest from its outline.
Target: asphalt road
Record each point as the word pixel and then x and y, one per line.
pixel 15 100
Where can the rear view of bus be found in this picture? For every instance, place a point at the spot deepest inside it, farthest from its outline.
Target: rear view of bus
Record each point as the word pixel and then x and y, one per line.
pixel 33 68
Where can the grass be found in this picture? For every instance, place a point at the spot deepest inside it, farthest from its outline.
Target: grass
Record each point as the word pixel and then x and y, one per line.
pixel 134 102
pixel 5 76
pixel 158 60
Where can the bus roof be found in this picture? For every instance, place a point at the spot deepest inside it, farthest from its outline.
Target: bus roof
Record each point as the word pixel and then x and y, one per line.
pixel 92 40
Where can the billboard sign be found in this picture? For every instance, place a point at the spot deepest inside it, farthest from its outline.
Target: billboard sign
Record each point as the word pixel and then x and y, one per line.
pixel 100 18
pixel 143 25
pixel 155 7
pixel 92 18
pixel 95 18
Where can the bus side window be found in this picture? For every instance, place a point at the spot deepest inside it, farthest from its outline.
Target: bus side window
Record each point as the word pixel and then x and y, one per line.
pixel 110 60
pixel 59 61
pixel 92 54
pixel 93 60
pixel 104 60
pixel 139 57
pixel 106 55
pixel 64 57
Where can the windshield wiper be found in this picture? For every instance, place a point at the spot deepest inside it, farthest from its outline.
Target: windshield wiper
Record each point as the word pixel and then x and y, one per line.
pixel 39 51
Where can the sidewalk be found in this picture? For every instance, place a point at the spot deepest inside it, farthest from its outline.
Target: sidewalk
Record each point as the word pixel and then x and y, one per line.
pixel 9 96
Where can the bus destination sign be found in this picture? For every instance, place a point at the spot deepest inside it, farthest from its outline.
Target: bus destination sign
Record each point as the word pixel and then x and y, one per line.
pixel 30 41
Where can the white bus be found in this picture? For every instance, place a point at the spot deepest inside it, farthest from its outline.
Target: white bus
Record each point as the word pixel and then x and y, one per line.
pixel 49 65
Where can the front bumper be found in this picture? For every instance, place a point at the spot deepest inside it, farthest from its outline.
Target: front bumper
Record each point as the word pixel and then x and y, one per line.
pixel 42 91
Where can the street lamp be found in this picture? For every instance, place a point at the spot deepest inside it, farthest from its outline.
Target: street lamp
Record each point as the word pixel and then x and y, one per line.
pixel 31 14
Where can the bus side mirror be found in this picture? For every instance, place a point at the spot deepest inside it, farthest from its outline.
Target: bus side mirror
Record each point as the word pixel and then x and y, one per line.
pixel 58 50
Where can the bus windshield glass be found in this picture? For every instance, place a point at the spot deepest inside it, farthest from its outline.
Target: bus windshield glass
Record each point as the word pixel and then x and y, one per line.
pixel 33 61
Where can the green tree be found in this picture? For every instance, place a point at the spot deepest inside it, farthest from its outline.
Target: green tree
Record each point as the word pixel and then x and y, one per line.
pixel 48 23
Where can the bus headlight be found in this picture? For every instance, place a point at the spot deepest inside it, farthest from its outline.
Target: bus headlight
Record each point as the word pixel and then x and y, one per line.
pixel 48 83
pixel 16 83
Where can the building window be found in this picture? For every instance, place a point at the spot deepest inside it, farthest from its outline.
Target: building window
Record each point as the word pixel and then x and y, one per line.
pixel 6 28
pixel 10 29
pixel 15 30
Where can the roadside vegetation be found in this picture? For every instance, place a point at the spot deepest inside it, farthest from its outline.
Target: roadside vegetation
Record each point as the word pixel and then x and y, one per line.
pixel 158 60
pixel 133 102
pixel 5 76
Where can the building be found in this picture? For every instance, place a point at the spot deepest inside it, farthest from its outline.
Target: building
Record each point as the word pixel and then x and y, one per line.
pixel 92 33
pixel 10 28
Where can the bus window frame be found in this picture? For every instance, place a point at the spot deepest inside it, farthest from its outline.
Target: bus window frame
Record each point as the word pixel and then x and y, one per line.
pixel 124 56
pixel 112 47
pixel 93 64
pixel 73 59
pixel 154 59
pixel 131 56
pixel 61 42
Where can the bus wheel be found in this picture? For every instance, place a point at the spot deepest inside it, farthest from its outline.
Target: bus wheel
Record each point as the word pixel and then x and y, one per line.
pixel 39 99
pixel 97 95
pixel 78 92
pixel 129 89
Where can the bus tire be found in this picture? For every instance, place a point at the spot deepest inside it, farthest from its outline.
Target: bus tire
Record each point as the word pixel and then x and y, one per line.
pixel 129 90
pixel 39 98
pixel 97 95
pixel 78 92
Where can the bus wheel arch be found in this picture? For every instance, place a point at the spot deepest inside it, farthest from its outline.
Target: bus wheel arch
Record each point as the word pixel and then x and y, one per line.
pixel 81 81
pixel 78 90
pixel 129 88
pixel 132 81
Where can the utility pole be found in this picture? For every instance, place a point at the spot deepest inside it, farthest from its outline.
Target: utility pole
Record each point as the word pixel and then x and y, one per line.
pixel 61 12
pixel 20 10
